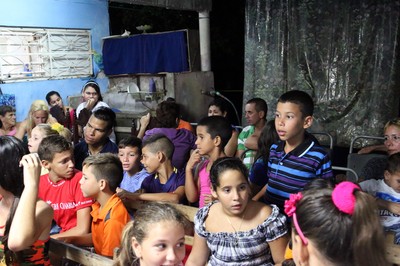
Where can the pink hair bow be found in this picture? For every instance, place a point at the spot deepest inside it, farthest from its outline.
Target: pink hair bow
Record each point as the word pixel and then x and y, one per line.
pixel 290 210
pixel 343 196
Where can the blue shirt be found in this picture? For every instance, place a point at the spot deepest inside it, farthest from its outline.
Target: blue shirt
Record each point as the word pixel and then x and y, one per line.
pixel 133 183
pixel 81 151
pixel 288 173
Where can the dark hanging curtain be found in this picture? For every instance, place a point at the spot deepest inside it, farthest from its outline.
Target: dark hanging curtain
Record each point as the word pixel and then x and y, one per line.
pixel 343 52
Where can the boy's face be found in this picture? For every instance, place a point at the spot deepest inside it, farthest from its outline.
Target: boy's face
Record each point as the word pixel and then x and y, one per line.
pixel 205 144
pixel 252 116
pixel 151 161
pixel 89 185
pixel 290 123
pixel 95 131
pixel 130 158
pixel 35 139
pixel 62 165
pixel 393 180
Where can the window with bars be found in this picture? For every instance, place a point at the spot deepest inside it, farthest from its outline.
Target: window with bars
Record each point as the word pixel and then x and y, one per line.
pixel 37 53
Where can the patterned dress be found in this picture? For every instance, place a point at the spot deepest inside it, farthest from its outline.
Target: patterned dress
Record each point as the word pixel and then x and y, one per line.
pixel 244 247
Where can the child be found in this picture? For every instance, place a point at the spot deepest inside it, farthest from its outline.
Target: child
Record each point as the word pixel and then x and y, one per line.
pixel 321 217
pixel 297 159
pixel 155 237
pixel 60 187
pixel 388 190
pixel 165 183
pixel 101 175
pixel 130 152
pixel 41 131
pixel 25 221
pixel 236 230
pixel 213 133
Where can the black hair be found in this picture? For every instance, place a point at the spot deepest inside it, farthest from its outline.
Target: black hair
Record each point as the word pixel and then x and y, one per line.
pixel 260 105
pixel 51 93
pixel 106 114
pixel 301 98
pixel 223 164
pixel 131 142
pixel 95 86
pixel 217 126
pixel 159 143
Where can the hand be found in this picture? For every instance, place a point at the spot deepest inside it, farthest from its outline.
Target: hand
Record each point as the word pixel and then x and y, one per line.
pixel 195 157
pixel 145 120
pixel 126 195
pixel 394 207
pixel 32 167
pixel 208 198
pixel 90 104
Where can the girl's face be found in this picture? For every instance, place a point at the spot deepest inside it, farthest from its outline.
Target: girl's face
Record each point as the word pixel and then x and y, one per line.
pixel 163 245
pixel 90 93
pixel 40 117
pixel 35 139
pixel 233 191
pixel 214 110
pixel 56 100
pixel 392 139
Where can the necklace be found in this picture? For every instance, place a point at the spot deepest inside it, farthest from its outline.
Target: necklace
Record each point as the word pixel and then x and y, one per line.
pixel 236 241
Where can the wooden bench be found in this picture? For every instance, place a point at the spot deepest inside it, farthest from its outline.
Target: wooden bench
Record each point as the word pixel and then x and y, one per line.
pixel 60 250
pixel 392 250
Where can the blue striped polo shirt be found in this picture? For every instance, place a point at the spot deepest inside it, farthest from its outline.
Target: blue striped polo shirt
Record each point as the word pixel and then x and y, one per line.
pixel 288 173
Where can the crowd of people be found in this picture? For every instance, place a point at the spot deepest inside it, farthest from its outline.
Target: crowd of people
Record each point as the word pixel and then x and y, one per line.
pixel 266 194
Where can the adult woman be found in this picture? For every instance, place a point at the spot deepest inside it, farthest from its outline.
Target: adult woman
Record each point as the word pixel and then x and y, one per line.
pixel 39 113
pixel 25 221
pixel 64 114
pixel 8 122
pixel 218 107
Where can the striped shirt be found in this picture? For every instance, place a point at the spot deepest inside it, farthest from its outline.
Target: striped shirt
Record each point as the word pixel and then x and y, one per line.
pixel 288 173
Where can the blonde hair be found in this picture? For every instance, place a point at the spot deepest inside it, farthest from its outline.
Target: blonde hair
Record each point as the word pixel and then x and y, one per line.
pixel 394 122
pixel 37 105
pixel 55 129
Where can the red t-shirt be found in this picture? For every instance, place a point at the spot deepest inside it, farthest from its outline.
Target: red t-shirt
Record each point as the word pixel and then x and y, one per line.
pixel 65 197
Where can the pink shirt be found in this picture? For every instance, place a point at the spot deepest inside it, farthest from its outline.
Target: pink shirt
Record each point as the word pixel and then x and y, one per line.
pixel 204 183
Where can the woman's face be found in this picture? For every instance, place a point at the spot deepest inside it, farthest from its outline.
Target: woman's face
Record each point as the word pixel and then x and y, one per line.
pixel 163 245
pixel 392 139
pixel 56 100
pixel 8 119
pixel 90 93
pixel 40 117
pixel 214 110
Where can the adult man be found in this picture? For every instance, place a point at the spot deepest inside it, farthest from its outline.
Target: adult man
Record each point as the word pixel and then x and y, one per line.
pixel 96 136
pixel 256 112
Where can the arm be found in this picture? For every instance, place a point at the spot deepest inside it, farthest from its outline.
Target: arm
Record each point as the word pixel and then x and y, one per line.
pixel 230 148
pixel 191 186
pixel 373 148
pixel 174 197
pixel 144 122
pixel 83 222
pixel 278 247
pixel 32 217
pixel 200 252
pixel 82 240
pixel 251 142
pixel 393 207
pixel 21 130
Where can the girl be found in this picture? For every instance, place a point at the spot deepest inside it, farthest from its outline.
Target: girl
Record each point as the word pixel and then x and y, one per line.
pixel 41 131
pixel 25 221
pixel 218 107
pixel 236 230
pixel 8 123
pixel 38 113
pixel 321 217
pixel 65 115
pixel 155 237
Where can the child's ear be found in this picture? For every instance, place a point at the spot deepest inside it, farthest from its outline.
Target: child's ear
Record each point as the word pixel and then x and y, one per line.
pixel 308 121
pixel 137 248
pixel 161 156
pixel 386 175
pixel 214 193
pixel 217 141
pixel 45 164
pixel 103 184
pixel 301 250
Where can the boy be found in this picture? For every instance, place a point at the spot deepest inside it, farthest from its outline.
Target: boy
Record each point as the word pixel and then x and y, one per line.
pixel 387 193
pixel 60 187
pixel 129 153
pixel 213 133
pixel 297 158
pixel 256 112
pixel 101 175
pixel 165 183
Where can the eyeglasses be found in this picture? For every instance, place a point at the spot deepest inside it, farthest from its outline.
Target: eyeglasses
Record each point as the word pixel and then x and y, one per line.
pixel 393 138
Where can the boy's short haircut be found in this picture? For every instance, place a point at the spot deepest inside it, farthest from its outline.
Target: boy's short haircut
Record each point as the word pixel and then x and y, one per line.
pixel 301 98
pixel 106 166
pixel 51 145
pixel 160 143
pixel 131 142
pixel 260 105
pixel 106 114
pixel 217 126
pixel 393 163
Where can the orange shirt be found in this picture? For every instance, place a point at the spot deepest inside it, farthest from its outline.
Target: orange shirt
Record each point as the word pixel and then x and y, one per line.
pixel 186 125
